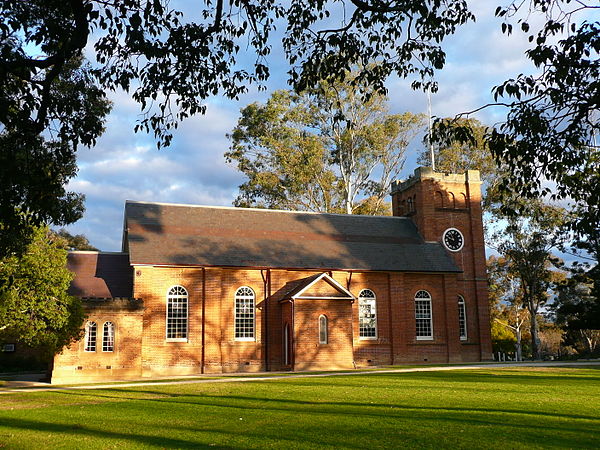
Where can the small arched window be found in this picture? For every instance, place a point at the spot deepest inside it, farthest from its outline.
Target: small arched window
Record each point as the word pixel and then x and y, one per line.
pixel 462 318
pixel 323 333
pixel 367 314
pixel 177 314
pixel 108 337
pixel 91 330
pixel 244 314
pixel 423 319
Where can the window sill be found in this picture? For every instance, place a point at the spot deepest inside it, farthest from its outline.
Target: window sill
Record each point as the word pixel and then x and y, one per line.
pixel 373 338
pixel 245 340
pixel 424 338
pixel 177 340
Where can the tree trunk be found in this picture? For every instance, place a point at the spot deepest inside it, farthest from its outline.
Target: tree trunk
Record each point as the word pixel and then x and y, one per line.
pixel 518 349
pixel 535 339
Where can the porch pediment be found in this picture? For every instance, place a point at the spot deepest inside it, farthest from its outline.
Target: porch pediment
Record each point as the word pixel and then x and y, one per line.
pixel 319 286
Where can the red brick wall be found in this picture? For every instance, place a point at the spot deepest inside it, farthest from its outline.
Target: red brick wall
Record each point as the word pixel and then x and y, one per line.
pixel 159 356
pixel 370 351
pixel 442 202
pixel 148 353
pixel 75 364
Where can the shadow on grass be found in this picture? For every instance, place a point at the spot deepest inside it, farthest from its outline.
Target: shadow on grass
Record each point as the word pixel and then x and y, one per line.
pixel 320 407
pixel 80 430
pixel 325 417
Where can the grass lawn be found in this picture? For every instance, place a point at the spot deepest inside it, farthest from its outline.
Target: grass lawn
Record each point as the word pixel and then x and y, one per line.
pixel 496 408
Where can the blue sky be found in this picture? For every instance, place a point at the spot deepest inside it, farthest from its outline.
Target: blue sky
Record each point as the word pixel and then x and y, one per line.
pixel 127 166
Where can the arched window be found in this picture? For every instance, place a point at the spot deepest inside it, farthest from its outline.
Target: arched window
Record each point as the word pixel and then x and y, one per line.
pixel 108 337
pixel 423 315
pixel 244 314
pixel 177 314
pixel 367 314
pixel 323 334
pixel 90 336
pixel 462 318
pixel 409 205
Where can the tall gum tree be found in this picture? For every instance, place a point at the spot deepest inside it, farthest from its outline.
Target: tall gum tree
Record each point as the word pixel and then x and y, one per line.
pixel 325 149
pixel 527 243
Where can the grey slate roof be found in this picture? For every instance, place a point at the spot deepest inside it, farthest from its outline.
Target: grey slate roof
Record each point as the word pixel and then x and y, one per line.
pixel 100 275
pixel 170 234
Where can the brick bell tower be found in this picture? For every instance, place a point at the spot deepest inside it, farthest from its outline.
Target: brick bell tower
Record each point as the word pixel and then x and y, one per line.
pixel 446 208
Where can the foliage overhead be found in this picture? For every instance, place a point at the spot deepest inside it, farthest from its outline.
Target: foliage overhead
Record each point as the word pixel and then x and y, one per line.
pixel 39 137
pixel 35 308
pixel 320 150
pixel 173 61
pixel 549 140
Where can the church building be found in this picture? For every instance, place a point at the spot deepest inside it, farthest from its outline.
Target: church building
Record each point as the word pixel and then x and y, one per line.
pixel 200 289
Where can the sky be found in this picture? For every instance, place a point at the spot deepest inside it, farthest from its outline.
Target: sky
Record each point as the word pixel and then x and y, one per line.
pixel 127 166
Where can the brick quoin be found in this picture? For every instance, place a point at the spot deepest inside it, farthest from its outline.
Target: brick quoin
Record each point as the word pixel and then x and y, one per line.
pixel 433 201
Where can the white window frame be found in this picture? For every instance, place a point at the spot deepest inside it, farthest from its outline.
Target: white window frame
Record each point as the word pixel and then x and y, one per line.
pixel 91 338
pixel 242 331
pixel 108 339
pixel 423 296
pixel 367 297
pixel 323 330
pixel 462 318
pixel 175 296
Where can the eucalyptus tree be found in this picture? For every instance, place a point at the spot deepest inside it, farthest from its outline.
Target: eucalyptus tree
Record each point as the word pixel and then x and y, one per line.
pixel 326 149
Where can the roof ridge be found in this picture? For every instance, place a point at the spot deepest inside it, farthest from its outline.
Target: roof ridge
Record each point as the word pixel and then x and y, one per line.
pixel 237 208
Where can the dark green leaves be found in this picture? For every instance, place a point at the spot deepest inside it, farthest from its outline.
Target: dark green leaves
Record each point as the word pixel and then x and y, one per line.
pixel 35 308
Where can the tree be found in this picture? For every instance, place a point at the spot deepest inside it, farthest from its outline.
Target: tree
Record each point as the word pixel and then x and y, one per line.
pixel 171 63
pixel 506 307
pixel 527 244
pixel 577 311
pixel 35 308
pixel 74 242
pixel 549 139
pixel 37 155
pixel 320 150
pixel 153 49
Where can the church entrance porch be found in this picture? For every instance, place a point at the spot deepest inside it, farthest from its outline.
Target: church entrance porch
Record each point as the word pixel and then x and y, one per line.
pixel 323 335
pixel 317 315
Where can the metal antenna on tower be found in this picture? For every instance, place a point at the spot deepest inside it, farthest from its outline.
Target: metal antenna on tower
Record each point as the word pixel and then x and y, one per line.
pixel 431 154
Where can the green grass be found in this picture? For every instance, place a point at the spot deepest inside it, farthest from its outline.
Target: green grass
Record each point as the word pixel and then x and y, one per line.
pixel 496 408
